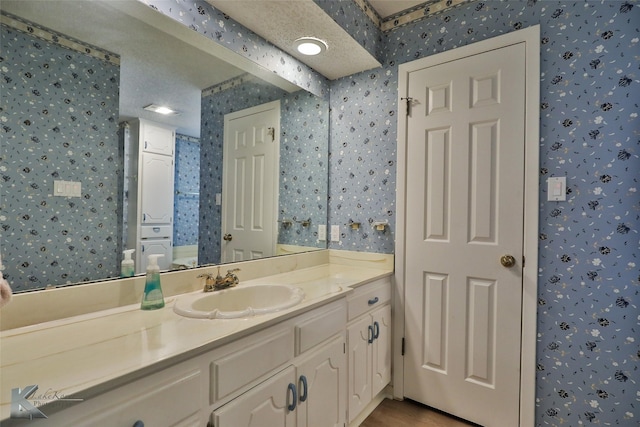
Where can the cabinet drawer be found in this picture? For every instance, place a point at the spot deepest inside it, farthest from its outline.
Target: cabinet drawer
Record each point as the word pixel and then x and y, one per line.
pixel 249 359
pixel 315 330
pixel 172 397
pixel 156 232
pixel 368 297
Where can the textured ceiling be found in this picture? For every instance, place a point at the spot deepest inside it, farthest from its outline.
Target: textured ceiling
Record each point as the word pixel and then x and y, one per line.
pixel 282 22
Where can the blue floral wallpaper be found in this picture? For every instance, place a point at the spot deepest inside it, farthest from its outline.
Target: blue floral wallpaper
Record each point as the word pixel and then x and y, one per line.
pixel 58 116
pixel 588 350
pixel 186 202
pixel 303 160
pixel 352 18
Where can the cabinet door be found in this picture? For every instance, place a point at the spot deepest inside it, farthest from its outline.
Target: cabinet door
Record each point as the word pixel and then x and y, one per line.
pixel 322 386
pixel 359 383
pixel 156 139
pixel 154 246
pixel 156 186
pixel 270 404
pixel 381 347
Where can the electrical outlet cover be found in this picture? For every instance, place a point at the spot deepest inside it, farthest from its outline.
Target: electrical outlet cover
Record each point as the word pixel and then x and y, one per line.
pixel 322 232
pixel 335 233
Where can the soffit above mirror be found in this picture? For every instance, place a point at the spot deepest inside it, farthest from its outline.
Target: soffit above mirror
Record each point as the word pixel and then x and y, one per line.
pixel 386 8
pixel 283 22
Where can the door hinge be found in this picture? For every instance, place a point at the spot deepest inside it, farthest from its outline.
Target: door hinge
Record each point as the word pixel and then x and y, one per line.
pixel 344 347
pixel 522 261
pixel 409 100
pixel 403 346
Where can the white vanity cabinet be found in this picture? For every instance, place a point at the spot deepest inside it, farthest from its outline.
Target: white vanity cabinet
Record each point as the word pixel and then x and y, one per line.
pixel 150 190
pixel 369 344
pixel 319 368
pixel 308 391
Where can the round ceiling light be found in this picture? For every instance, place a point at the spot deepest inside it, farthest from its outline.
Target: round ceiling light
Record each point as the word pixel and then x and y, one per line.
pixel 310 45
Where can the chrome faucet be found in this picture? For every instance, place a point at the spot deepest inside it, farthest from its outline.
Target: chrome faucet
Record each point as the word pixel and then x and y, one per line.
pixel 217 282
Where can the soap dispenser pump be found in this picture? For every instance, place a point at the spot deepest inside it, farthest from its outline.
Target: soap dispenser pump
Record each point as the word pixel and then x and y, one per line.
pixel 127 269
pixel 152 297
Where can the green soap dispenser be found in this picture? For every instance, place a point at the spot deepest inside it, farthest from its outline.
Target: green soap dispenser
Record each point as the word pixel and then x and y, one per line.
pixel 152 297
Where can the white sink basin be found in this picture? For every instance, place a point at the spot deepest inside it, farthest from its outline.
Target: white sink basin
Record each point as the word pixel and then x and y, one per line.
pixel 243 301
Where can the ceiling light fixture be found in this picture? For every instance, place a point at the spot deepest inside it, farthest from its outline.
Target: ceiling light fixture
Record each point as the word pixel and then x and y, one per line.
pixel 161 109
pixel 310 45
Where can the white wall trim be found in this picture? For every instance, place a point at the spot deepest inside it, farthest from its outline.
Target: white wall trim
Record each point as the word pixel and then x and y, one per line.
pixel 531 38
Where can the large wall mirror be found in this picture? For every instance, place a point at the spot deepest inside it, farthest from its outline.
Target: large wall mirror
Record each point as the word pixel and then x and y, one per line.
pixel 65 99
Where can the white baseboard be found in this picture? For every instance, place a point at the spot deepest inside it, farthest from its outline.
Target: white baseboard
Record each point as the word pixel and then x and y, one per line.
pixel 386 393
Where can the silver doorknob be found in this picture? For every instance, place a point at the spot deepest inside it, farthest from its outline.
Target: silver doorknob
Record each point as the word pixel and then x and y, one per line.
pixel 228 237
pixel 507 261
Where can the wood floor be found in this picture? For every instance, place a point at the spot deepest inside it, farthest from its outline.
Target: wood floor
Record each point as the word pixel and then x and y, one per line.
pixel 407 413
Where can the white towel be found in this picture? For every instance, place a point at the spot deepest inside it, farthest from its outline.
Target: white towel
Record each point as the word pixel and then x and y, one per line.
pixel 5 291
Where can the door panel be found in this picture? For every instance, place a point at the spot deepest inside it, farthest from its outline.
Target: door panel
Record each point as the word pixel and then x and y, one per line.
pixel 481 351
pixel 482 183
pixel 436 289
pixel 437 188
pixel 464 210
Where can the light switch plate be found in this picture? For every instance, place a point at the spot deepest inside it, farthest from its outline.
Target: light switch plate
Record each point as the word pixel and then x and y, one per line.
pixel 335 233
pixel 67 188
pixel 322 232
pixel 557 188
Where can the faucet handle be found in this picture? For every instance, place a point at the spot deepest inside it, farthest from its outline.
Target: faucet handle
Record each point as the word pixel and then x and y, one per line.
pixel 209 281
pixel 231 276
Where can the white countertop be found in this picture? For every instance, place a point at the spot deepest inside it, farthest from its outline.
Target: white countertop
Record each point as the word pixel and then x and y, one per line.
pixel 90 351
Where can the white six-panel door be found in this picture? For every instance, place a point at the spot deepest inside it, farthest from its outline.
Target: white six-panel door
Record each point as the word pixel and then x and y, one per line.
pixel 250 182
pixel 464 211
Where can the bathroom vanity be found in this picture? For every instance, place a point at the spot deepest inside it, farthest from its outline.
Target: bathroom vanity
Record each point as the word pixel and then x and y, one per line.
pixel 322 362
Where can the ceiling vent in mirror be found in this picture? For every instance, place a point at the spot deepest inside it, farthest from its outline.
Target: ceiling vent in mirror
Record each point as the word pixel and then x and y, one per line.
pixel 310 45
pixel 160 109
